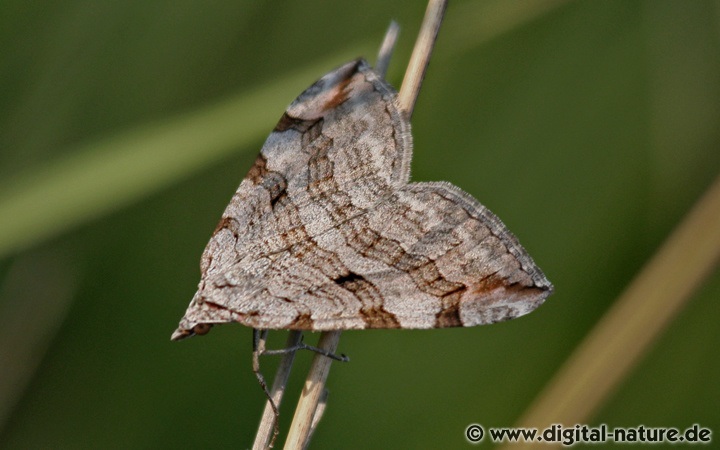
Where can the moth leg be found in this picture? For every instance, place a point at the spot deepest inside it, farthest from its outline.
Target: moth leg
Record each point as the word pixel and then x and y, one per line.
pixel 259 338
pixel 300 346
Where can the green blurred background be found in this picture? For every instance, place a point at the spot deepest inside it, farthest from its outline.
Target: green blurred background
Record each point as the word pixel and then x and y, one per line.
pixel 589 127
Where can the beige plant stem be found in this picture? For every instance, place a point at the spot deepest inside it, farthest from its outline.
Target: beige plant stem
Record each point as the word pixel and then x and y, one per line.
pixel 266 429
pixel 420 58
pixel 386 48
pixel 306 414
pixel 312 392
pixel 318 414
pixel 637 318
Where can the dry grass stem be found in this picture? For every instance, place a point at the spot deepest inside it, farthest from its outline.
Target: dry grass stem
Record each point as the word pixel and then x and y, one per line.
pixel 318 415
pixel 307 414
pixel 265 436
pixel 307 406
pixel 387 48
pixel 420 57
pixel 266 428
pixel 637 318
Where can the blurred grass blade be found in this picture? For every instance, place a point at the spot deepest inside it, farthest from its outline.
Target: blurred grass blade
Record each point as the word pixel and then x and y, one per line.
pixel 106 175
pixel 110 173
pixel 32 313
pixel 637 318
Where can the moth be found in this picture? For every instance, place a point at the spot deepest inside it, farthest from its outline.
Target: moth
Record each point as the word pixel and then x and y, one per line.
pixel 326 231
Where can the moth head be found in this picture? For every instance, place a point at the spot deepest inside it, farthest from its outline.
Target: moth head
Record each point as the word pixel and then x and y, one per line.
pixel 197 329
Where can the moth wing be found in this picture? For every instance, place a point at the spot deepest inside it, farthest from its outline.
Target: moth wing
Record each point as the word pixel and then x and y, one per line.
pixel 325 233
pixel 429 256
pixel 342 145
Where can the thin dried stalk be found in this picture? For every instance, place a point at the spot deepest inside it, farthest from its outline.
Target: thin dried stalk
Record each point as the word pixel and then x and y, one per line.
pixel 638 317
pixel 307 407
pixel 387 48
pixel 267 430
pixel 420 58
pixel 267 427
pixel 322 404
pixel 314 397
pixel 306 414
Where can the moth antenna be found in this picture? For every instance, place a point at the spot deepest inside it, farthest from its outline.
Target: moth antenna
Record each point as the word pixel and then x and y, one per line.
pixel 262 351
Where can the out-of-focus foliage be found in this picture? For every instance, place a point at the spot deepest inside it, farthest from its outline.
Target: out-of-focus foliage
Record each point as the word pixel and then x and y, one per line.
pixel 589 127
